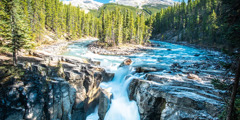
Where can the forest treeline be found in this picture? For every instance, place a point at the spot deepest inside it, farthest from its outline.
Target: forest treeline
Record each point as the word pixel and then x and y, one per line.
pixel 36 16
pixel 201 22
pixel 23 23
pixel 120 26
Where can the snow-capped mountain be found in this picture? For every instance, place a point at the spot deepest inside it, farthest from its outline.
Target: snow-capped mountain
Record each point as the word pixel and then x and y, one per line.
pixel 84 4
pixel 139 3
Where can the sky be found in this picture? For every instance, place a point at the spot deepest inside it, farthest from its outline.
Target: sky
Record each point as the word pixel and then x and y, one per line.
pixel 107 1
pixel 103 1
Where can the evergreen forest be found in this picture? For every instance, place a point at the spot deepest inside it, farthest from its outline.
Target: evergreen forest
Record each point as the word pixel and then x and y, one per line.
pixel 203 22
pixel 26 25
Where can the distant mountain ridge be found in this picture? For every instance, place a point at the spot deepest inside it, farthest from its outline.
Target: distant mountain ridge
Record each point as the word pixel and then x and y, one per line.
pixel 94 5
pixel 148 10
pixel 84 4
pixel 140 3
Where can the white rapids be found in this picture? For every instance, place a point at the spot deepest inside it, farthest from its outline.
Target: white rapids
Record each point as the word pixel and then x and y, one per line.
pixel 164 56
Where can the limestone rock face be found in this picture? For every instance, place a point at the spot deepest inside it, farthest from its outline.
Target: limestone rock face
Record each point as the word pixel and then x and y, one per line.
pixel 41 93
pixel 168 99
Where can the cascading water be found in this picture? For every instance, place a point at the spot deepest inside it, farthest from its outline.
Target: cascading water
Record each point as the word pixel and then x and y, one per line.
pixel 121 108
pixel 162 57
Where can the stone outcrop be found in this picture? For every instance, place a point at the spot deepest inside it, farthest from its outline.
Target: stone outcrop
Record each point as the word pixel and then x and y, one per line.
pixel 145 69
pixel 104 103
pixel 50 92
pixel 126 62
pixel 168 99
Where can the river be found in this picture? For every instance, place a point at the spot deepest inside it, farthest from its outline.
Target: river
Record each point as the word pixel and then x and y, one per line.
pixel 161 57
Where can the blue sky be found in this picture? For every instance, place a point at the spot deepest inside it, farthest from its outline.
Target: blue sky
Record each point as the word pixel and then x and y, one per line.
pixel 103 1
pixel 106 1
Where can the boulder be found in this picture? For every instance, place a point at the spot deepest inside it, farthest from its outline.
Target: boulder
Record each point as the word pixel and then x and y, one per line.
pixel 126 62
pixel 108 77
pixel 104 103
pixel 193 76
pixel 165 98
pixel 145 69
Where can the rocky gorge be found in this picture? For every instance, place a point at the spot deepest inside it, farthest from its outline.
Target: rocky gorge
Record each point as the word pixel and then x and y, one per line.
pixel 52 87
pixel 163 98
pixel 163 82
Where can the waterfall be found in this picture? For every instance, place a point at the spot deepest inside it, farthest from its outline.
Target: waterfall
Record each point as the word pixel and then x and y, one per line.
pixel 121 107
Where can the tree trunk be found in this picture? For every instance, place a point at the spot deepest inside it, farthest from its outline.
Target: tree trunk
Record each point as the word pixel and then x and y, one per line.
pixel 234 92
pixel 15 57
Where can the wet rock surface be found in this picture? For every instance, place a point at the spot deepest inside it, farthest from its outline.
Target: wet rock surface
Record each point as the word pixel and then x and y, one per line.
pixel 50 92
pixel 104 103
pixel 159 97
pixel 175 84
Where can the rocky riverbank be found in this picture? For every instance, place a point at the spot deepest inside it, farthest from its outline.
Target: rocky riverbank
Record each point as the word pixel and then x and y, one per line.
pixel 182 89
pixel 59 48
pixel 49 92
pixel 159 97
pixel 60 87
pixel 126 49
pixel 51 86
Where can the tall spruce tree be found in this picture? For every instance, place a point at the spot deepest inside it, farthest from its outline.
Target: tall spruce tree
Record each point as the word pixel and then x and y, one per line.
pixel 5 28
pixel 21 35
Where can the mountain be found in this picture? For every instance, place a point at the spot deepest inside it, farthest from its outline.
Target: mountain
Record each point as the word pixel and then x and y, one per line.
pixel 146 9
pixel 84 4
pixel 147 6
pixel 140 3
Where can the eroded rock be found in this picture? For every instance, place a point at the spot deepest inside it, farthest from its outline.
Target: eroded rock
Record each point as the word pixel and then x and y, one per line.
pixel 42 94
pixel 104 103
pixel 145 69
pixel 193 76
pixel 126 62
pixel 165 98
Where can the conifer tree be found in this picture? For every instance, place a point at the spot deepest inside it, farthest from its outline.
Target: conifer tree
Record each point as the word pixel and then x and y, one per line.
pixel 20 33
pixel 119 33
pixel 5 28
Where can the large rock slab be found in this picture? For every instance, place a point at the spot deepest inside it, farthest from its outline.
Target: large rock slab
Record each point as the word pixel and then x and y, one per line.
pixel 168 99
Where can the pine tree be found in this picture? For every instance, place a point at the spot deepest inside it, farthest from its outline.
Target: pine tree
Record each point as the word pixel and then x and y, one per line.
pixel 20 33
pixel 120 28
pixel 131 28
pixel 5 28
pixel 49 13
pixel 102 32
pixel 213 26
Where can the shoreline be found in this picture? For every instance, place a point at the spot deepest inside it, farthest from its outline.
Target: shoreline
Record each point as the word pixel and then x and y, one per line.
pixel 60 47
pixel 184 43
pixel 52 51
pixel 173 40
pixel 124 50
